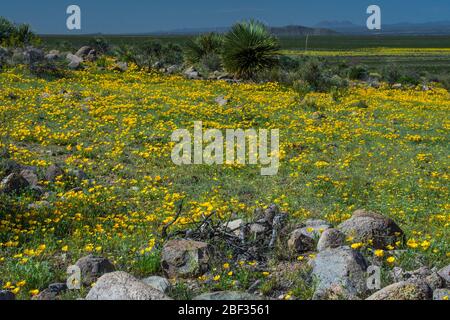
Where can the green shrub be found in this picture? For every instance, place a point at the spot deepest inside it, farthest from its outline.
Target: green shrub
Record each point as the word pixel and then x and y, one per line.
pixel 289 64
pixel 125 53
pixel 150 54
pixel 209 63
pixel 101 45
pixel 172 54
pixel 394 74
pixel 302 88
pixel 7 29
pixel 203 46
pixel 358 72
pixel 391 74
pixel 249 48
pixel 12 35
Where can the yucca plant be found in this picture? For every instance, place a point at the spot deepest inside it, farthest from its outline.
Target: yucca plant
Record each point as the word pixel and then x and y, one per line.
pixel 203 46
pixel 250 48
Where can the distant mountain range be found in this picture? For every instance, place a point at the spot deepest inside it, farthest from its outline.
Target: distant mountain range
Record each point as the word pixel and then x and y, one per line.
pixel 292 30
pixel 331 28
pixel 288 31
pixel 334 28
pixel 405 28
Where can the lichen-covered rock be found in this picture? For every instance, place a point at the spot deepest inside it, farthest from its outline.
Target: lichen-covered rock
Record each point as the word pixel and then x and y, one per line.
pixel 234 226
pixel 83 51
pixel 54 171
pixel 341 274
pixel 121 66
pixel 52 292
pixel 192 74
pixel 8 166
pixel 185 258
pixel 93 267
pixel 435 281
pixel 366 226
pixel 158 283
pixel 123 286
pixel 404 290
pixel 228 296
pixel 317 222
pixel 315 230
pixel 30 176
pixel 270 213
pixel 14 183
pixel 441 294
pixel 258 229
pixel 300 241
pixel 74 61
pixel 330 238
pixel 445 274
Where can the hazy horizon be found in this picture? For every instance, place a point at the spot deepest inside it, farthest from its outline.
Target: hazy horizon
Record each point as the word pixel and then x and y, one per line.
pixel 134 16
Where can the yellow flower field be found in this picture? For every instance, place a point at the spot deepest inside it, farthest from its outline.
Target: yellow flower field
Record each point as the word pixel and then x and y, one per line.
pixel 378 51
pixel 389 154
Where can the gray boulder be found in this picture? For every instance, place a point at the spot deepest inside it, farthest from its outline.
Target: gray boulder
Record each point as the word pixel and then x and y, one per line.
pixel 234 226
pixel 315 230
pixel 366 226
pixel 192 74
pixel 228 296
pixel 121 66
pixel 6 295
pixel 441 294
pixel 445 274
pixel 158 283
pixel 435 281
pixel 330 238
pixel 53 172
pixel 53 55
pixel 83 52
pixel 185 258
pixel 300 241
pixel 33 55
pixel 74 61
pixel 91 56
pixel 52 292
pixel 221 101
pixel 270 213
pixel 404 290
pixel 172 69
pixel 341 274
pixel 3 54
pixel 317 222
pixel 13 183
pixel 258 230
pixel 398 274
pixel 123 286
pixel 30 176
pixel 93 267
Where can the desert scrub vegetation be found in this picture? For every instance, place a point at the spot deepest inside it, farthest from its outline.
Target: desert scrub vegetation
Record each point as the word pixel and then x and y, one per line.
pixel 98 143
pixel 207 45
pixel 246 50
pixel 249 48
pixel 16 34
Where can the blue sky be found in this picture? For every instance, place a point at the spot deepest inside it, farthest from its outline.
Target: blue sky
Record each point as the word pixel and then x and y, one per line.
pixel 133 16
